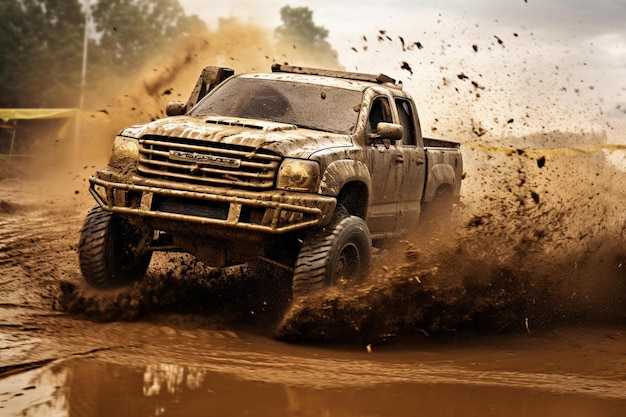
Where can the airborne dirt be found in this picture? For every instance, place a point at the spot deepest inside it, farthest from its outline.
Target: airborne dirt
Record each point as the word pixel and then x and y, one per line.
pixel 517 308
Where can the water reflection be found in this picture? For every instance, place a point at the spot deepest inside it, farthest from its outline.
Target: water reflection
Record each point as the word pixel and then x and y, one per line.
pixel 39 393
pixel 90 388
pixel 171 379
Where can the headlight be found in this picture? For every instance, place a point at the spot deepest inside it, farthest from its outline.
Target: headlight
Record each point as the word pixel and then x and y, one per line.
pixel 299 175
pixel 125 153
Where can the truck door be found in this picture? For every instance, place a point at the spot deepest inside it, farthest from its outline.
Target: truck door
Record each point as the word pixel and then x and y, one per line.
pixel 386 170
pixel 413 166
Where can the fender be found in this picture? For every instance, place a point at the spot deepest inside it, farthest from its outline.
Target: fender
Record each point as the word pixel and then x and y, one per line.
pixel 438 175
pixel 341 172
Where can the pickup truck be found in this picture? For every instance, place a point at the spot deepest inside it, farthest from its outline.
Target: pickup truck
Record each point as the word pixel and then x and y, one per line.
pixel 300 167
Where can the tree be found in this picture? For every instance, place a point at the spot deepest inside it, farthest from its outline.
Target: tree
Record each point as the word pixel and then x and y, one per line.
pixel 131 32
pixel 41 47
pixel 41 44
pixel 299 32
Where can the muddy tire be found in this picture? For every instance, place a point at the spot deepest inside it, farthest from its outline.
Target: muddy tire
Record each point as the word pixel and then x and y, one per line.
pixel 105 250
pixel 438 213
pixel 339 254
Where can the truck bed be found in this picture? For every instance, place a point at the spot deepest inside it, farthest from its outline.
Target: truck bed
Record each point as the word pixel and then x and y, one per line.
pixel 444 169
pixel 440 143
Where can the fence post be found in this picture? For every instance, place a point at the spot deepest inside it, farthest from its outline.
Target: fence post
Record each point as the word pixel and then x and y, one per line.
pixel 13 138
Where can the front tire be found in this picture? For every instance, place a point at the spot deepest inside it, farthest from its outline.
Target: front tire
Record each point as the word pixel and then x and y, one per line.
pixel 339 254
pixel 107 250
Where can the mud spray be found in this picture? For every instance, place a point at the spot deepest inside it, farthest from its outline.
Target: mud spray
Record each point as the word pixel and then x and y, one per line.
pixel 537 241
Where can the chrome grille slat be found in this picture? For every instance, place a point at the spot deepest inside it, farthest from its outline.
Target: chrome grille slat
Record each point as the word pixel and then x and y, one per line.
pixel 192 178
pixel 206 170
pixel 165 155
pixel 253 153
pixel 207 163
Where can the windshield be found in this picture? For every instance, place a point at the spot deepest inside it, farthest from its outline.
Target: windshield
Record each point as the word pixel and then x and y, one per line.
pixel 318 107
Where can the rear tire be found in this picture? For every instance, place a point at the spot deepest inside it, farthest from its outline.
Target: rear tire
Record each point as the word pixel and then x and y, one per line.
pixel 339 254
pixel 437 214
pixel 107 250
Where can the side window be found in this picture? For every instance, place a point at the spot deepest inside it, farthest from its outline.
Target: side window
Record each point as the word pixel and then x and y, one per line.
pixel 405 113
pixel 379 112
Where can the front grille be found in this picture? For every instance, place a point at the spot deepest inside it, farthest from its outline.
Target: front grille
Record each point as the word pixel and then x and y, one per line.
pixel 209 163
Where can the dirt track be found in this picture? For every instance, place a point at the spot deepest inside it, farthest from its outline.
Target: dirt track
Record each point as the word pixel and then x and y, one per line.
pixel 519 310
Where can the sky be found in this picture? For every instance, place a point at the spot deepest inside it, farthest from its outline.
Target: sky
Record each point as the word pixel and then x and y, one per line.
pixel 503 66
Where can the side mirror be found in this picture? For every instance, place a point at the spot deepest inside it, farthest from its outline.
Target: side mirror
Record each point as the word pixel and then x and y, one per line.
pixel 175 108
pixel 390 131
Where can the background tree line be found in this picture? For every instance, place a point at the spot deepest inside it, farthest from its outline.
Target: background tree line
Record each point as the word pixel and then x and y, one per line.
pixel 41 44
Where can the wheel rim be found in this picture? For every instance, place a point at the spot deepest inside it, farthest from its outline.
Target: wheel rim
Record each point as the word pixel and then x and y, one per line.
pixel 126 251
pixel 128 260
pixel 348 264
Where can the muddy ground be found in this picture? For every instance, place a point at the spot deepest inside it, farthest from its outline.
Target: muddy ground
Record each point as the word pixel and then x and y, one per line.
pixel 516 308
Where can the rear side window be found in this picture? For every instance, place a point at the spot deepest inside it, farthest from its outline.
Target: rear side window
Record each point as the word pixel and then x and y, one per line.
pixel 407 120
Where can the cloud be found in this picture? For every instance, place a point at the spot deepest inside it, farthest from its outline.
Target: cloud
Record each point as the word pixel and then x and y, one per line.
pixel 611 48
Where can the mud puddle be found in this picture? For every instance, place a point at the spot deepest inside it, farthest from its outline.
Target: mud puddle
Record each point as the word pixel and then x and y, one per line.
pixel 185 371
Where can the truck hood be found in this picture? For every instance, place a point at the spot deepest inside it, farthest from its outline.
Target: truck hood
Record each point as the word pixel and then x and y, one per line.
pixel 285 139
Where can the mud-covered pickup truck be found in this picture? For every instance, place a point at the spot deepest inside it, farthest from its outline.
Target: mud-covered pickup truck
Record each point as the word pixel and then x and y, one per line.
pixel 300 167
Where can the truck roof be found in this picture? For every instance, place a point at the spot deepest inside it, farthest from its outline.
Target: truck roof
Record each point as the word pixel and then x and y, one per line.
pixel 335 78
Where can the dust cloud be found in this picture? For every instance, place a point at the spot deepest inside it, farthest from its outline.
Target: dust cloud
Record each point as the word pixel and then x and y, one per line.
pixel 172 75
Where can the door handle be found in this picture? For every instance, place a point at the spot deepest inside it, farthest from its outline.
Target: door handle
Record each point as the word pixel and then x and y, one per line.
pixel 399 158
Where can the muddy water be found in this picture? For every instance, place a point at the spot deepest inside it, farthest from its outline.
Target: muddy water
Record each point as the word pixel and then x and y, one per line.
pixel 174 366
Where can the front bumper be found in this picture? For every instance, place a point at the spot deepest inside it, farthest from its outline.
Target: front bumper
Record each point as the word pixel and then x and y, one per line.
pixel 274 211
